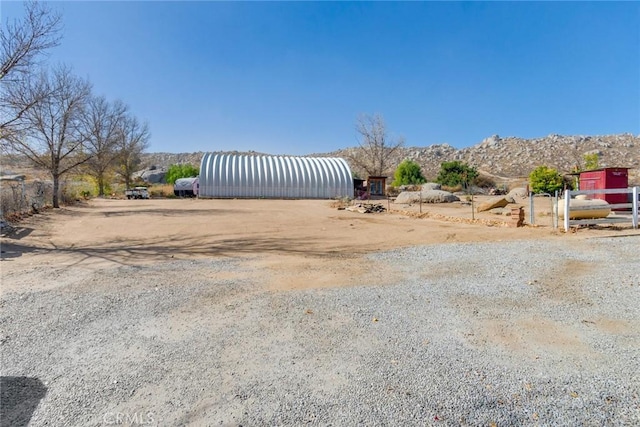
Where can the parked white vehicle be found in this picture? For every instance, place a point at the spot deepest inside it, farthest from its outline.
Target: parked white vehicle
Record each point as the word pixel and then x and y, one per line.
pixel 137 193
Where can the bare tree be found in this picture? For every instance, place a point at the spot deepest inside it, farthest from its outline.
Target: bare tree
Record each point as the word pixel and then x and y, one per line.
pixel 132 141
pixel 376 149
pixel 51 135
pixel 22 43
pixel 102 123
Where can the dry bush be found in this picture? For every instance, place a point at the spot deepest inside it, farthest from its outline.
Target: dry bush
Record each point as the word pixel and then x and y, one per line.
pixel 453 189
pixel 484 181
pixel 340 203
pixel 75 191
pixel 161 191
pixel 392 191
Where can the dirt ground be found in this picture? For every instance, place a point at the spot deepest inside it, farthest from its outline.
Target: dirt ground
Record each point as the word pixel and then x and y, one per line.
pixel 305 243
pixel 105 310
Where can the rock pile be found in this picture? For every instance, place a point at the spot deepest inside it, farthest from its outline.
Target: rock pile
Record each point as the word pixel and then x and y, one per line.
pixel 367 208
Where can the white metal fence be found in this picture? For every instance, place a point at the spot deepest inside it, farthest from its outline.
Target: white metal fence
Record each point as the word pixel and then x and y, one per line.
pixel 617 217
pixel 554 207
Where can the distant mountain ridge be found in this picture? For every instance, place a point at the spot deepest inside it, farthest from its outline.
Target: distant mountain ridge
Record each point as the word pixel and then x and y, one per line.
pixel 508 157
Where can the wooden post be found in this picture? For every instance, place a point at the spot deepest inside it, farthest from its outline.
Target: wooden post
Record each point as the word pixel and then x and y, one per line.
pixel 517 216
pixel 473 212
pixel 532 217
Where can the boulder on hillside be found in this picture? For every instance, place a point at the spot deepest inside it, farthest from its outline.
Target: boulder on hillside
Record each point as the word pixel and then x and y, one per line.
pixel 429 196
pixel 152 176
pixel 518 192
pixel 431 186
pixel 498 202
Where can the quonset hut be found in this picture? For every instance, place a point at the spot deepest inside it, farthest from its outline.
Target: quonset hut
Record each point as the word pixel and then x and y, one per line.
pixel 277 177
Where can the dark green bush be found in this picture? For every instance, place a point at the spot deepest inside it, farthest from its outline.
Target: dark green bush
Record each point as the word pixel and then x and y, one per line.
pixel 456 173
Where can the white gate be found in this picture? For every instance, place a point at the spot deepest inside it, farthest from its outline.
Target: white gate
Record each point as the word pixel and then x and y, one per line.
pixel 616 218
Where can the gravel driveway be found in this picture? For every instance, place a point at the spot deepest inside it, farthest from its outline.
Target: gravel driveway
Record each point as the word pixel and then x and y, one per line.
pixel 504 333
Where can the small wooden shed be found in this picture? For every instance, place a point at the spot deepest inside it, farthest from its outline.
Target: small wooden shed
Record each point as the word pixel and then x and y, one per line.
pixel 377 185
pixel 604 179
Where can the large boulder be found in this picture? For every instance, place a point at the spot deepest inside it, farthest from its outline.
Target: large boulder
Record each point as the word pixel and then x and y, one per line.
pixel 497 202
pixel 518 193
pixel 429 196
pixel 431 186
pixel 152 175
pixel 408 197
pixel 439 196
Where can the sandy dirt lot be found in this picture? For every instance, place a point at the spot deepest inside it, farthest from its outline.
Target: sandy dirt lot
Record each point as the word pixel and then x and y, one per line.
pixel 304 242
pixel 305 238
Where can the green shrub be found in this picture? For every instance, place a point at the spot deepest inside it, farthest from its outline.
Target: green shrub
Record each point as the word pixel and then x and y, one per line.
pixel 591 161
pixel 545 180
pixel 185 170
pixel 408 173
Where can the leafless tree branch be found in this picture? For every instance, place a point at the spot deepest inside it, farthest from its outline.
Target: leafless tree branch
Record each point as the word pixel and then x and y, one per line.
pixel 52 135
pixel 132 141
pixel 22 41
pixel 376 148
pixel 102 123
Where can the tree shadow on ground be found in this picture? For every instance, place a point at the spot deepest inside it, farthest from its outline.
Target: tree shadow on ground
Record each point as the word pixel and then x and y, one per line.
pixel 12 250
pixel 18 233
pixel 173 212
pixel 171 247
pixel 20 397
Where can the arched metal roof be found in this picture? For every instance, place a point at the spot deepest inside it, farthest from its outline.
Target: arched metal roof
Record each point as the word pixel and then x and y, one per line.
pixel 256 176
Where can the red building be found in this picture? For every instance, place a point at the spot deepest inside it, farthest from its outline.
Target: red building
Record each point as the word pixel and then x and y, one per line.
pixel 604 179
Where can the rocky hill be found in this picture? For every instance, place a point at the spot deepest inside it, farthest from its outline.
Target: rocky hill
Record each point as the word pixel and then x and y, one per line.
pixel 517 157
pixel 508 157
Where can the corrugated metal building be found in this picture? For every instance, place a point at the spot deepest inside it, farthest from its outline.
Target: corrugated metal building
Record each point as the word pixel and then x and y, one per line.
pixel 279 177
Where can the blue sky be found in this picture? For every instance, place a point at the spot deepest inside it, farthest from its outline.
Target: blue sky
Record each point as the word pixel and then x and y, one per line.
pixel 293 77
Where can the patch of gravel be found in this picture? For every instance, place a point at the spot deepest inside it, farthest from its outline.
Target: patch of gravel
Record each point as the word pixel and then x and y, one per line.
pixel 517 333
